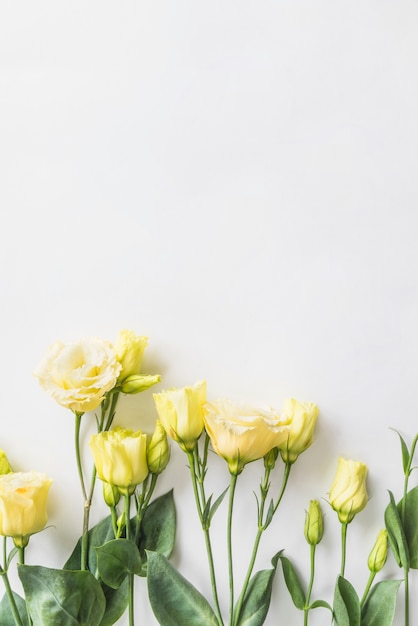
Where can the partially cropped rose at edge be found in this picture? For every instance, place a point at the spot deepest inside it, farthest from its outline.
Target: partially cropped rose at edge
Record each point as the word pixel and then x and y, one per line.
pixel 120 457
pixel 301 417
pixel 242 434
pixel 78 375
pixel 180 411
pixel 23 501
pixel 348 494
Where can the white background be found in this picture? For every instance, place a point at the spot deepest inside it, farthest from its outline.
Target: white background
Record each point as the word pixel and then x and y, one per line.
pixel 238 181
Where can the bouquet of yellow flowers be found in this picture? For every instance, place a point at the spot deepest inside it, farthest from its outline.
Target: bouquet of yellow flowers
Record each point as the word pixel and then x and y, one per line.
pixel 96 585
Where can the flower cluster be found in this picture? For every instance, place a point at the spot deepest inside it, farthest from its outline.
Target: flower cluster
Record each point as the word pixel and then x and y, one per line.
pixel 96 584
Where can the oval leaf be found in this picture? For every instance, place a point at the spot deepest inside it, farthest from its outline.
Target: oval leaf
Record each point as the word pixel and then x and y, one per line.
pixel 347 610
pixel 257 599
pixel 293 583
pixel 116 559
pixel 6 615
pixel 62 597
pixel 410 526
pixel 396 533
pixel 97 536
pixel 379 609
pixel 158 528
pixel 173 599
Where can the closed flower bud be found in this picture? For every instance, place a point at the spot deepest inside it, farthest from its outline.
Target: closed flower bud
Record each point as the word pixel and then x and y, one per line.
pixel 270 458
pixel 158 450
pixel 4 463
pixel 314 523
pixel 111 494
pixel 379 553
pixel 348 495
pixel 129 349
pixel 301 416
pixel 120 456
pixel 137 383
pixel 181 413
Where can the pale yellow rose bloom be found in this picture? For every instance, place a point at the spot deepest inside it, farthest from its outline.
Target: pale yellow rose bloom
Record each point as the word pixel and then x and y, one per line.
pixel 129 349
pixel 378 555
pixel 348 495
pixel 78 375
pixel 23 500
pixel 242 434
pixel 181 413
pixel 120 457
pixel 302 418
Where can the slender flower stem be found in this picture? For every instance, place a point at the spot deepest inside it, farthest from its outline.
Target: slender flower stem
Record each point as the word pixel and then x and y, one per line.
pixel 205 528
pixel 12 602
pixel 367 588
pixel 232 487
pixel 311 581
pixel 143 502
pixel 343 546
pixel 262 525
pixel 130 575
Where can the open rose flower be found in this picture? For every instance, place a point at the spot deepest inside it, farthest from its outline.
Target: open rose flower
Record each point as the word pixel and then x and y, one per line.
pixel 242 434
pixel 78 375
pixel 23 498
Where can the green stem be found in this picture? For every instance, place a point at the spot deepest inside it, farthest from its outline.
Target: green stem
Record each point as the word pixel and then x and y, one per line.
pixel 205 528
pixel 403 518
pixel 343 547
pixel 367 588
pixel 233 485
pixel 143 502
pixel 406 596
pixel 112 410
pixel 262 525
pixel 130 575
pixel 311 581
pixel 12 602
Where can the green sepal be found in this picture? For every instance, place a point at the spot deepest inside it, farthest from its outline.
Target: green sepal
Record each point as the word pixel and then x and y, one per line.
pixel 116 559
pixel 174 600
pixel 210 509
pixel 379 609
pixel 396 533
pixel 6 615
pixel 347 611
pixel 256 602
pixel 293 583
pixel 410 525
pixel 62 597
pixel 158 528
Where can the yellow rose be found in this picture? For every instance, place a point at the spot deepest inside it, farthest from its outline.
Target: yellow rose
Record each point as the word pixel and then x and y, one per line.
pixel 348 494
pixel 129 349
pixel 158 450
pixel 242 434
pixel 181 413
pixel 120 457
pixel 302 418
pixel 78 375
pixel 23 497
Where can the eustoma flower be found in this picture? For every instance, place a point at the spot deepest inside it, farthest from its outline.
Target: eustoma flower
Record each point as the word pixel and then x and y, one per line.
pixel 78 375
pixel 120 456
pixel 301 416
pixel 129 349
pixel 242 434
pixel 348 494
pixel 23 499
pixel 181 413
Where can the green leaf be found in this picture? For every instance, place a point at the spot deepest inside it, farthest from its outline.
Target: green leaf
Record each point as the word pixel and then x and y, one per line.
pixel 257 599
pixel 396 533
pixel 405 453
pixel 410 526
pixel 116 603
pixel 347 610
pixel 97 536
pixel 173 599
pixel 116 559
pixel 321 604
pixel 293 583
pixel 62 597
pixel 379 609
pixel 210 511
pixel 158 528
pixel 6 615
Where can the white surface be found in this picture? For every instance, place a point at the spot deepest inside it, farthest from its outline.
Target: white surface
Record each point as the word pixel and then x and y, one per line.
pixel 237 180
